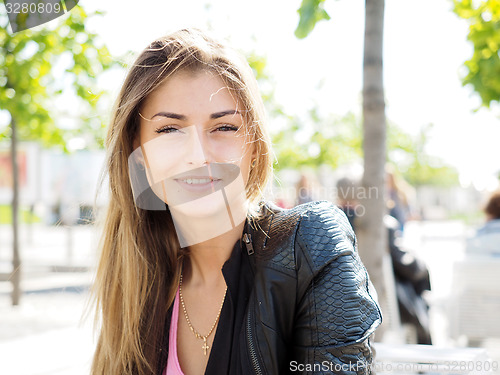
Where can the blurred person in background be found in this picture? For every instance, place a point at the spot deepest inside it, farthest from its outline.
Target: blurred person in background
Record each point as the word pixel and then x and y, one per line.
pixel 346 198
pixel 487 238
pixel 398 197
pixel 412 282
pixel 304 188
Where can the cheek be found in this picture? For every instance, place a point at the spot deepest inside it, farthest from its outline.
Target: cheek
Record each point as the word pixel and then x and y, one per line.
pixel 228 151
pixel 159 159
pixel 245 167
pixel 237 153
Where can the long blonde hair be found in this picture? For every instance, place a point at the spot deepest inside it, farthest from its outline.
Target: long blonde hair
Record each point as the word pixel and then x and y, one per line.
pixel 141 260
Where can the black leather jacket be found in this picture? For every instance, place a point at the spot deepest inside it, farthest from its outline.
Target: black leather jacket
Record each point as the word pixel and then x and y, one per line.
pixel 310 310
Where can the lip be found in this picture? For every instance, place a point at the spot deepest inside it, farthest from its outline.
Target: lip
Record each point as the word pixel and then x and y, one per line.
pixel 208 186
pixel 180 192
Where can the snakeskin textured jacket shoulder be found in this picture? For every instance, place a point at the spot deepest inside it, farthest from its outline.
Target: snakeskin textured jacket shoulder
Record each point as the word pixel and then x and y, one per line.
pixel 310 310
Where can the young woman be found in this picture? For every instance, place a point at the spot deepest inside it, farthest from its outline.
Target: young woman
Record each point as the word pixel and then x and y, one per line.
pixel 197 274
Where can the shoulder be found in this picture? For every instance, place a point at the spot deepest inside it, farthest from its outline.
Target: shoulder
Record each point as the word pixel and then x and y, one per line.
pixel 491 226
pixel 332 282
pixel 327 218
pixel 486 240
pixel 320 214
pixel 320 229
pixel 324 233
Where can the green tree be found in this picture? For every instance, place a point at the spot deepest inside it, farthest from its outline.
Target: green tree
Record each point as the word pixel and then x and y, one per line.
pixel 35 67
pixel 314 141
pixel 409 156
pixel 309 140
pixel 370 230
pixel 483 68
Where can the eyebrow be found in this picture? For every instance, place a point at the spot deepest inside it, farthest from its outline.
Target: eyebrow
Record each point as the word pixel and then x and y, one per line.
pixel 213 116
pixel 170 115
pixel 224 113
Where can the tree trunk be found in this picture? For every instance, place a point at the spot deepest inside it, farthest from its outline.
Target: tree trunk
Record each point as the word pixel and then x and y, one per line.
pixel 371 231
pixel 16 259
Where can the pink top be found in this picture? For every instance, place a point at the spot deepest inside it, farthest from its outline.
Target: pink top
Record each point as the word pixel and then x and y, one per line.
pixel 173 367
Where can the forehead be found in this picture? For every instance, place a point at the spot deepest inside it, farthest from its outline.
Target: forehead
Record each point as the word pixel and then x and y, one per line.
pixel 187 92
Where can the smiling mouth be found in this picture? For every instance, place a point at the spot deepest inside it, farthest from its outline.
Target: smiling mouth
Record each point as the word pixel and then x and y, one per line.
pixel 198 181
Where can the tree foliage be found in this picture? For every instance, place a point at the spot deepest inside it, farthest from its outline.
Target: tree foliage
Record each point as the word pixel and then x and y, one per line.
pixel 483 68
pixel 410 158
pixel 315 139
pixel 310 12
pixel 337 140
pixel 39 65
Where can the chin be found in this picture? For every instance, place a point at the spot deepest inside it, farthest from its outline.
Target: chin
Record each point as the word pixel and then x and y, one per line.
pixel 208 206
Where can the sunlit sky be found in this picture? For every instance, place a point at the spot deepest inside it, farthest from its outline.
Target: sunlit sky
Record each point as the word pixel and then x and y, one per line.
pixel 425 47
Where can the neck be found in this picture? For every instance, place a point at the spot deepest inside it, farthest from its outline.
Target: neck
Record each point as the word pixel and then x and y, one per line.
pixel 207 258
pixel 209 227
pixel 193 229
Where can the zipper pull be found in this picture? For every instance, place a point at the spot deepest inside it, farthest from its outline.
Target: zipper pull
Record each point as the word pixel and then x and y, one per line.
pixel 248 243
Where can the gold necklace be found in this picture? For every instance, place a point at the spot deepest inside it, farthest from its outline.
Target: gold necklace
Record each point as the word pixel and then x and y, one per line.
pixel 198 335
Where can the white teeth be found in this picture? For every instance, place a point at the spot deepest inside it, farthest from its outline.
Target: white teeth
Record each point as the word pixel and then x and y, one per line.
pixel 193 181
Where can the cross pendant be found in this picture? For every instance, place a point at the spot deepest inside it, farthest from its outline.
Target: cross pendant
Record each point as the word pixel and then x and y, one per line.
pixel 205 346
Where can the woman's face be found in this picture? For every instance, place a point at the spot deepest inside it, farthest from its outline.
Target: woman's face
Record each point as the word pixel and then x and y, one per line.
pixel 193 143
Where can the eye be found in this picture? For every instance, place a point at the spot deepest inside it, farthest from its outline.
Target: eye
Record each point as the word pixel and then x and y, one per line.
pixel 227 128
pixel 166 129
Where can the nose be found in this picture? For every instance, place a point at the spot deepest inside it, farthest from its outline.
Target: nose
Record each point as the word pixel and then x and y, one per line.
pixel 197 153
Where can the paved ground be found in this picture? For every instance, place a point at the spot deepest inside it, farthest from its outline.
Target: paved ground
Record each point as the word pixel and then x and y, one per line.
pixel 45 334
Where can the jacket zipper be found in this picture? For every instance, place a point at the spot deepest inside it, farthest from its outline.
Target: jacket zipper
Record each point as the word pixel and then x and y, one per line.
pixel 248 243
pixel 253 353
pixel 247 238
